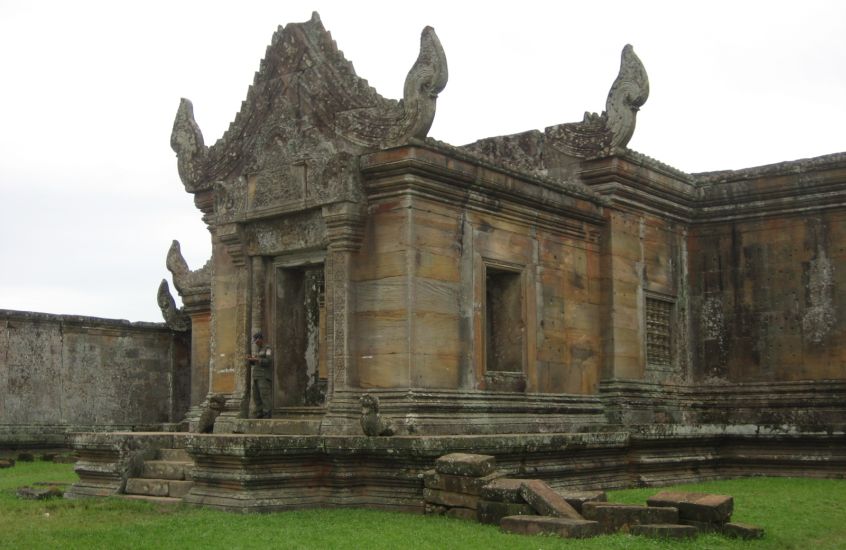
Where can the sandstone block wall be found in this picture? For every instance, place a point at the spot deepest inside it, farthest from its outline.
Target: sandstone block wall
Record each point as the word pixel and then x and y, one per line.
pixel 62 373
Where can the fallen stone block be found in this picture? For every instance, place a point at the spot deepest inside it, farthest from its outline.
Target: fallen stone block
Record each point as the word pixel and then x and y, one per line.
pixel 696 506
pixel 491 512
pixel 703 526
pixel 463 464
pixel 503 489
pixel 742 531
pixel 26 457
pixel 33 493
pixel 620 517
pixel 7 462
pixel 448 498
pixel 47 457
pixel 458 484
pixel 577 498
pixel 563 527
pixel 664 531
pixel 434 509
pixel 546 501
pixel 461 513
pixel 64 459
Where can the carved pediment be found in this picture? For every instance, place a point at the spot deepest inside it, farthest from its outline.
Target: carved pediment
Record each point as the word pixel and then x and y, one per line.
pixel 306 106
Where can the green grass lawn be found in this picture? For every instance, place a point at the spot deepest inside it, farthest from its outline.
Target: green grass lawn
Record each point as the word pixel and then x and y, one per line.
pixel 796 513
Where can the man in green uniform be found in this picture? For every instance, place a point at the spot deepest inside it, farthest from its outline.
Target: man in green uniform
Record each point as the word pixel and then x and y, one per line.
pixel 262 364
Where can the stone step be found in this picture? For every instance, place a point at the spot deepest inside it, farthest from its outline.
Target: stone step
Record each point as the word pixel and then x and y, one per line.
pixel 154 500
pixel 158 487
pixel 166 469
pixel 175 455
pixel 270 426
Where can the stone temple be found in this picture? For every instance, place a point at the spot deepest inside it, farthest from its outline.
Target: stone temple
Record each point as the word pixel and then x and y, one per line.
pixel 584 313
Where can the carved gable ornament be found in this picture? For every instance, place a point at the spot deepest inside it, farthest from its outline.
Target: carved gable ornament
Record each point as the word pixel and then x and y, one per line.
pixel 558 147
pixel 306 119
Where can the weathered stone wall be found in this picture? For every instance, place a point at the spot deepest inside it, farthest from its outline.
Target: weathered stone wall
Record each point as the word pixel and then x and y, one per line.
pixel 492 289
pixel 768 281
pixel 61 373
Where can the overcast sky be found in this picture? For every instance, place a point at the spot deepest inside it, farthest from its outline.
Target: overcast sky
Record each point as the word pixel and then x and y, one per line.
pixel 90 198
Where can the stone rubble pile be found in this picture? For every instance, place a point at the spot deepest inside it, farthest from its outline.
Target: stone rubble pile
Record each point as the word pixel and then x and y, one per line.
pixel 468 486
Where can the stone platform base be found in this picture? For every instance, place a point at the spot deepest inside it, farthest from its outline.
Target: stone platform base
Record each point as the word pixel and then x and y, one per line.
pixel 261 473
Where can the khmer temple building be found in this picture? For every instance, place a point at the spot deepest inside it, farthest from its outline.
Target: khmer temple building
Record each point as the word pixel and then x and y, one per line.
pixel 586 314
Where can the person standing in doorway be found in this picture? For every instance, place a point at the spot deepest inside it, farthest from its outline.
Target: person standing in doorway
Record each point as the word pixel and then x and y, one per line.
pixel 262 363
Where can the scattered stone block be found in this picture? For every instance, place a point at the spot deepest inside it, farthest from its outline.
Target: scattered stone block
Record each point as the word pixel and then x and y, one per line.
pixel 503 489
pixel 577 498
pixel 664 531
pixel 620 517
pixel 61 484
pixel 39 493
pixel 434 509
pixel 696 506
pixel 458 484
pixel 492 512
pixel 546 501
pixel 563 527
pixel 64 459
pixel 703 526
pixel 463 464
pixel 47 457
pixel 742 531
pixel 448 498
pixel 26 457
pixel 7 462
pixel 461 513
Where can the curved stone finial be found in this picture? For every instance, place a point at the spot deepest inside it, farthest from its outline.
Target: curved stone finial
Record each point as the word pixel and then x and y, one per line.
pixel 426 79
pixel 627 95
pixel 186 140
pixel 600 135
pixel 183 278
pixel 174 317
pixel 412 116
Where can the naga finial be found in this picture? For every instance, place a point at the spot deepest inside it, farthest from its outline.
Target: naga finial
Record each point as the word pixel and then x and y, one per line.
pixel 425 80
pixel 186 140
pixel 174 317
pixel 627 95
pixel 600 135
pixel 394 123
pixel 183 278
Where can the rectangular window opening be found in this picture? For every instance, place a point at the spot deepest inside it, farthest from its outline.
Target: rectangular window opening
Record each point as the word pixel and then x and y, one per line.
pixel 503 321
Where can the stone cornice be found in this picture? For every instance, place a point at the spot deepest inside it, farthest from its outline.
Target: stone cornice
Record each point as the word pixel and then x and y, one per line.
pixel 634 181
pixel 787 188
pixel 435 172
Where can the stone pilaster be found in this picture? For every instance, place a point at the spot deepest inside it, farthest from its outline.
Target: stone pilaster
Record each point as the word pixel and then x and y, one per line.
pixel 344 224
